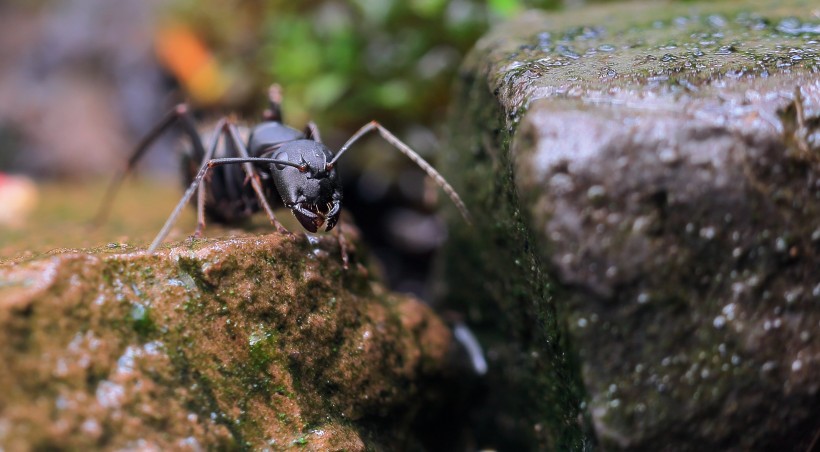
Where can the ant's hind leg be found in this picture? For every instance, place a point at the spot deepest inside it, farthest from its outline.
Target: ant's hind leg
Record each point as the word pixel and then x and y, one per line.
pixel 179 113
pixel 274 110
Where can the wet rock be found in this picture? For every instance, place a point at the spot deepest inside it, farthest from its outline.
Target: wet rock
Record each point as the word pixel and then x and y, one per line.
pixel 647 180
pixel 257 341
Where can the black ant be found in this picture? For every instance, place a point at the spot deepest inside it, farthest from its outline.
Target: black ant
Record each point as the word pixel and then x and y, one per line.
pixel 295 164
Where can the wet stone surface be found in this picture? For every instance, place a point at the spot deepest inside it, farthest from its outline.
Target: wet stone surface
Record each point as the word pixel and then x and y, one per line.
pixel 257 341
pixel 648 179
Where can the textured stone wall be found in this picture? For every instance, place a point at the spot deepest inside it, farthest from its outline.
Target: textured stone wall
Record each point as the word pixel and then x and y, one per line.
pixel 645 180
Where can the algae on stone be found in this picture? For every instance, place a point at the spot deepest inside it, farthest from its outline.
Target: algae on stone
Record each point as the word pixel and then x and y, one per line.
pixel 254 342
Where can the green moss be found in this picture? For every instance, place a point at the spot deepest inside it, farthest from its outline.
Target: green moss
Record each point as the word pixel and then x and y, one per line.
pixel 263 348
pixel 191 270
pixel 141 321
pixel 232 340
pixel 502 284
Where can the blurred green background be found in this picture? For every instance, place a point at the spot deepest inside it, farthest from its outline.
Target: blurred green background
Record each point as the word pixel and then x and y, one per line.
pixel 343 62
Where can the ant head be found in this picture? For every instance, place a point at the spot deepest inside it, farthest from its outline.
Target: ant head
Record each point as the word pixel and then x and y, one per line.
pixel 313 191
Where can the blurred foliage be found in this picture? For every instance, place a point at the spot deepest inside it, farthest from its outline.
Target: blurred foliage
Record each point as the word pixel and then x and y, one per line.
pixel 343 62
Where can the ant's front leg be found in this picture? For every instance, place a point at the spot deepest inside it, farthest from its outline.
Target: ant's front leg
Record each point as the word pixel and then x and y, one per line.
pixel 197 181
pixel 233 134
pixel 340 238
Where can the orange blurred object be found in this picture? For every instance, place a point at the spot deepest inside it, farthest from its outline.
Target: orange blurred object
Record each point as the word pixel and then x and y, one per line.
pixel 184 54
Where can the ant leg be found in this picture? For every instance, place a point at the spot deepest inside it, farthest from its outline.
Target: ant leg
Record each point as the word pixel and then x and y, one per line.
pixel 180 205
pixel 203 171
pixel 180 112
pixel 417 159
pixel 200 209
pixel 274 111
pixel 203 188
pixel 312 132
pixel 254 177
pixel 340 237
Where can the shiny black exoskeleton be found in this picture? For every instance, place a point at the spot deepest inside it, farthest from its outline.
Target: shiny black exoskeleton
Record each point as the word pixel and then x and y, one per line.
pixel 312 191
pixel 299 171
pixel 281 163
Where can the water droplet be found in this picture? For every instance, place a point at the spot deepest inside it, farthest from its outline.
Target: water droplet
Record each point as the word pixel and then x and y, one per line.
pixel 109 395
pixel 793 26
pixel 596 192
pixel 793 295
pixel 729 310
pixel 716 21
pixel 566 51
pixel 735 360
pixel 768 366
pixel 707 233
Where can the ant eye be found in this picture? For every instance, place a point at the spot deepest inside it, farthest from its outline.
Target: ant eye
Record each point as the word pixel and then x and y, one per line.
pixel 303 168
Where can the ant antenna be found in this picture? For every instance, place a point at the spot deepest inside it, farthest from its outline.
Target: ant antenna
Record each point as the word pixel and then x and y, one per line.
pixel 417 159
